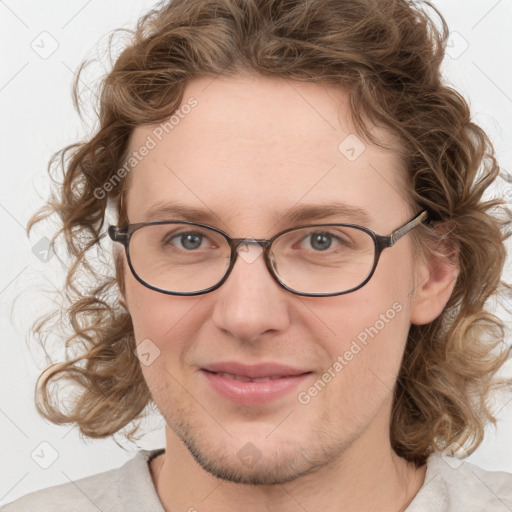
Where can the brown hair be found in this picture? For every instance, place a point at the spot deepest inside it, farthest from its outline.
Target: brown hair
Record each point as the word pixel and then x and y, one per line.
pixel 387 55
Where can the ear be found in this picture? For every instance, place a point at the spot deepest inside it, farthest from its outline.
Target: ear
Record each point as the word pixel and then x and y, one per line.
pixel 435 280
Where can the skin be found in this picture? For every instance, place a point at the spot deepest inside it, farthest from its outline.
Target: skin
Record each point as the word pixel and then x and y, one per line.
pixel 253 147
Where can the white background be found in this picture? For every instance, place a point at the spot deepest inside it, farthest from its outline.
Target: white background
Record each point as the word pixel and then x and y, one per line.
pixel 37 118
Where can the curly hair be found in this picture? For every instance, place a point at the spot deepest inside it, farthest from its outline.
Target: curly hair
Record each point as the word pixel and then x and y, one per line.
pixel 387 55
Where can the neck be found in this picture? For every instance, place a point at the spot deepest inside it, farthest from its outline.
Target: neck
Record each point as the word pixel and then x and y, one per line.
pixel 363 478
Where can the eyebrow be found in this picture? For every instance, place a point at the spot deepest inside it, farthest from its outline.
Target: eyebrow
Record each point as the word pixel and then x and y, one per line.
pixel 297 214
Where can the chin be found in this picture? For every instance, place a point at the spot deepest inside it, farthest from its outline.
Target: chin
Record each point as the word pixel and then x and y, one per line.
pixel 258 459
pixel 250 466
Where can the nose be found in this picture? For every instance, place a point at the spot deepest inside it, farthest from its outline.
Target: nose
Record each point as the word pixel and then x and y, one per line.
pixel 250 302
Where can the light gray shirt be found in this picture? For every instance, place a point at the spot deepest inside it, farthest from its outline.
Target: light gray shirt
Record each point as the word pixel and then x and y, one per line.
pixel 450 485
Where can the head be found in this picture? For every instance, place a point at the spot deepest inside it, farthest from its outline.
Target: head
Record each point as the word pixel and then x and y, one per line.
pixel 266 119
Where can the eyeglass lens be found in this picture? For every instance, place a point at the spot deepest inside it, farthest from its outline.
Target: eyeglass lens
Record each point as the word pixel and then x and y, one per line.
pixel 186 258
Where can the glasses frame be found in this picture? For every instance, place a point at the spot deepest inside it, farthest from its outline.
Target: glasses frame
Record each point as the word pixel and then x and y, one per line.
pixel 123 236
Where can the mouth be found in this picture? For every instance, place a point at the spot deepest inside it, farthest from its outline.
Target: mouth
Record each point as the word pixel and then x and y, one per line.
pixel 242 378
pixel 253 384
pixel 268 370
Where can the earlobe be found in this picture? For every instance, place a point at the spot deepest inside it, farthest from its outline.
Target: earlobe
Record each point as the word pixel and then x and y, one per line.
pixel 435 281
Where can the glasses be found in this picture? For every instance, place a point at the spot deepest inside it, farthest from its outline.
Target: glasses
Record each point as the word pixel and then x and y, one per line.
pixel 318 260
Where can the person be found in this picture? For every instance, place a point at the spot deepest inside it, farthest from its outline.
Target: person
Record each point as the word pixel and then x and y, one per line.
pixel 303 262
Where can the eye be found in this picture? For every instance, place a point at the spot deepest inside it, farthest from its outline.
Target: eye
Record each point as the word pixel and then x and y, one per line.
pixel 322 240
pixel 189 240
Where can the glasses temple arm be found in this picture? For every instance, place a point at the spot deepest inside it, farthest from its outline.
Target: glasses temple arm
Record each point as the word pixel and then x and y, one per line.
pixel 392 239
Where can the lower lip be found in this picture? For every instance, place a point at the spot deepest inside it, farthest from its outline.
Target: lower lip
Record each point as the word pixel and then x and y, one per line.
pixel 253 393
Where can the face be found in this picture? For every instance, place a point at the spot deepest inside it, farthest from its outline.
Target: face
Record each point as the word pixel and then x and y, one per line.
pixel 251 150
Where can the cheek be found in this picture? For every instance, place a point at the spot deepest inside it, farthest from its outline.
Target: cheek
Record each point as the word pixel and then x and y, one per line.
pixel 368 328
pixel 155 315
pixel 158 318
pixel 371 339
pixel 363 361
pixel 359 373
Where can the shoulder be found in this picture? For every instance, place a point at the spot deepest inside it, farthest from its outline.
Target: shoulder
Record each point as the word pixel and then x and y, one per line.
pixel 108 491
pixel 453 484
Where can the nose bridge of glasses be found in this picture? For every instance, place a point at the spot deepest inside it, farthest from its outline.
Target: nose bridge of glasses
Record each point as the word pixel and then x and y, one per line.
pixel 238 243
pixel 241 247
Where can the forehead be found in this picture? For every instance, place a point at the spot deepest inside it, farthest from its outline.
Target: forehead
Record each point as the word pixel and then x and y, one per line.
pixel 252 146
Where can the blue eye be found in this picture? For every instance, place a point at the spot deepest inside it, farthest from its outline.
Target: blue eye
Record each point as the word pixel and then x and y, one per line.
pixel 322 240
pixel 191 241
pixel 186 240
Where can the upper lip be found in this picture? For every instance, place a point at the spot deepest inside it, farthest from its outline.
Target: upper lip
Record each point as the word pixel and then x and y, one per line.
pixel 255 371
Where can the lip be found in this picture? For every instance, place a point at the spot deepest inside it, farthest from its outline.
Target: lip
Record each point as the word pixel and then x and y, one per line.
pixel 255 371
pixel 231 381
